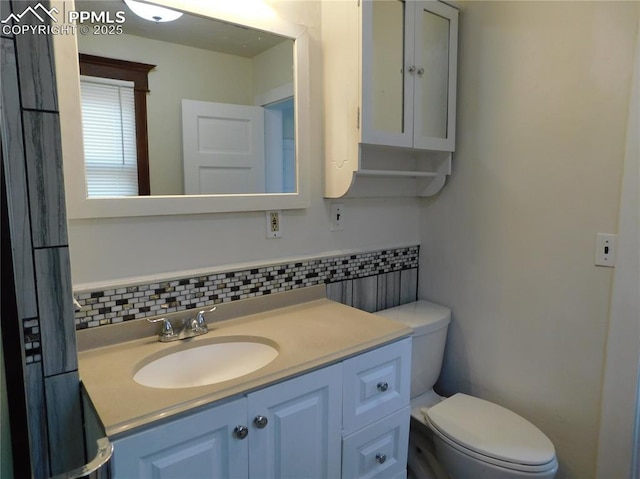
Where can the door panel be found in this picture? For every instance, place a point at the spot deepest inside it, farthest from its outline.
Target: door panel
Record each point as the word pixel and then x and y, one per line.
pixel 436 46
pixel 223 148
pixel 387 84
pixel 434 62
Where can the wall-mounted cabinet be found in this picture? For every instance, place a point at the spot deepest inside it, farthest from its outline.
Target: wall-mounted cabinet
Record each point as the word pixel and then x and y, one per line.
pixel 390 96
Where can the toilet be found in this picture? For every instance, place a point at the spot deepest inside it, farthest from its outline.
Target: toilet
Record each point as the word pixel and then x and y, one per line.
pixel 462 437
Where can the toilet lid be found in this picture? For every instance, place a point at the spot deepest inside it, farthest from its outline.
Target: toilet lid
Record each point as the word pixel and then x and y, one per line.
pixel 422 316
pixel 491 430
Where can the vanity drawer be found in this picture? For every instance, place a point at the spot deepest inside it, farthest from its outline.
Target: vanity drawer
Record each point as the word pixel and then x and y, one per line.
pixel 378 450
pixel 375 384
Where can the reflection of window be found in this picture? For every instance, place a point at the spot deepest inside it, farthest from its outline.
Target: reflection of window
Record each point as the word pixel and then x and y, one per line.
pixel 109 131
pixel 114 110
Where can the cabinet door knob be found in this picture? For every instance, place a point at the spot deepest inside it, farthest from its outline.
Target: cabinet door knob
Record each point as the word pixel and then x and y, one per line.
pixel 383 386
pixel 241 432
pixel 260 422
pixel 421 71
pixel 381 458
pixel 411 69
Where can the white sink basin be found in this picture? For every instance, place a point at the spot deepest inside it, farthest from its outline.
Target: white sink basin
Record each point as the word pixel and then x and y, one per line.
pixel 206 364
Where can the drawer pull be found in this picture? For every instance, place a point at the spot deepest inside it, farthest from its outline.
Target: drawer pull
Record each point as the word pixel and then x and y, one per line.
pixel 383 386
pixel 381 458
pixel 241 432
pixel 260 422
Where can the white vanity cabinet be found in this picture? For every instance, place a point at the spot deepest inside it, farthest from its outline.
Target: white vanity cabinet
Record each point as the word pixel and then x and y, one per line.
pixel 390 74
pixel 289 430
pixel 350 419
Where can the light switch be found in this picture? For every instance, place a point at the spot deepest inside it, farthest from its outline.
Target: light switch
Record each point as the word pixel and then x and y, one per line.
pixel 606 249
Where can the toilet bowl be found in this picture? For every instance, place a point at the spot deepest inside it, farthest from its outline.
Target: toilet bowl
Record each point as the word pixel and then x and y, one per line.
pixel 470 438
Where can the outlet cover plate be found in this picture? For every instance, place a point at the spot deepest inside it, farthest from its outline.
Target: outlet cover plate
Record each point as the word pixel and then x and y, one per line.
pixel 274 224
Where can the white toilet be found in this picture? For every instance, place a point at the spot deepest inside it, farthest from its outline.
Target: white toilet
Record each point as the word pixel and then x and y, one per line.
pixel 463 437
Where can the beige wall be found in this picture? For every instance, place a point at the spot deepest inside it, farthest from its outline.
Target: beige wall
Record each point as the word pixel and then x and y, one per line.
pixel 543 96
pixel 273 68
pixel 620 398
pixel 181 73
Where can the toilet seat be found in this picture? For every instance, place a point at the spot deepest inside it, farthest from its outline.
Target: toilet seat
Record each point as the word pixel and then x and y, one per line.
pixel 491 433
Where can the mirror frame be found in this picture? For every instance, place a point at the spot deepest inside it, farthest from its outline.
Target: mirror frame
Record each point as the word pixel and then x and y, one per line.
pixel 79 206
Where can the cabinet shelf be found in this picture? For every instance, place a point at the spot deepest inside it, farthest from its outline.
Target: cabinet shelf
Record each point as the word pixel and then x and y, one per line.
pixel 390 173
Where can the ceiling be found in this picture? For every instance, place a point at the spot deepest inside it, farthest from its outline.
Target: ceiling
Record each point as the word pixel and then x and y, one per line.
pixel 189 30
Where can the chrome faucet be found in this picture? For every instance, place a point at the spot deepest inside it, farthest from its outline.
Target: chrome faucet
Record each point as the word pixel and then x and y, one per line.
pixel 190 327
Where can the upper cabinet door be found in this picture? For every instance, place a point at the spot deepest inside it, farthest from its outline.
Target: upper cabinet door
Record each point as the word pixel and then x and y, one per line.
pixel 409 55
pixel 436 47
pixel 387 91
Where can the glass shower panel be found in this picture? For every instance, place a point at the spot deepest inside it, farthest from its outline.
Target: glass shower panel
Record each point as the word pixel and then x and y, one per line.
pixel 388 80
pixel 434 74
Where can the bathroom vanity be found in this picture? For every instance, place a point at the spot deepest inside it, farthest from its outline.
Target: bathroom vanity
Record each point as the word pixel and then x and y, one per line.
pixel 333 403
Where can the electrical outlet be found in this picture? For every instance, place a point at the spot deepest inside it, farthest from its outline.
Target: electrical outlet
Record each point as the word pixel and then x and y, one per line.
pixel 605 250
pixel 337 216
pixel 274 224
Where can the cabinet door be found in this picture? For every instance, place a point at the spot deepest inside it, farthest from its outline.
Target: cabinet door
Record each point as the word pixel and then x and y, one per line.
pixel 435 58
pixel 295 428
pixel 200 445
pixel 387 82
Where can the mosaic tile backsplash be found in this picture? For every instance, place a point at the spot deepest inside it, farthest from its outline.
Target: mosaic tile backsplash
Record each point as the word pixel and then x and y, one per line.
pixel 144 300
pixel 32 347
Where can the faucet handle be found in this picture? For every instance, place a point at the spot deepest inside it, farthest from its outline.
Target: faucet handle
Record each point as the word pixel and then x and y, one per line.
pixel 201 323
pixel 166 333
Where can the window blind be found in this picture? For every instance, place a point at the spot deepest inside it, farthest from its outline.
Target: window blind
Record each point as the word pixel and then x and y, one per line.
pixel 109 133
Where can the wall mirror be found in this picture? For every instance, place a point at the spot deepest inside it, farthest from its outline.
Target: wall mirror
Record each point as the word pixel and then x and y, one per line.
pixel 227 107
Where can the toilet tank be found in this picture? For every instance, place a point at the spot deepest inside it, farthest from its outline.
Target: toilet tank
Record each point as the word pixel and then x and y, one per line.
pixel 429 322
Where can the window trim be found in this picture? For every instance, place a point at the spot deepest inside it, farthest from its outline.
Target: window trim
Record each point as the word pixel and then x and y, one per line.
pixel 96 66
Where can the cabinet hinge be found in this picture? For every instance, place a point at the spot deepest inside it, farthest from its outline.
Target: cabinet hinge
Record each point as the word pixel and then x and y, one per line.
pixel 358 119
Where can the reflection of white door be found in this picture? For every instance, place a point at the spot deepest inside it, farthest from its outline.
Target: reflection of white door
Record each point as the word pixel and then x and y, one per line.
pixel 223 148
